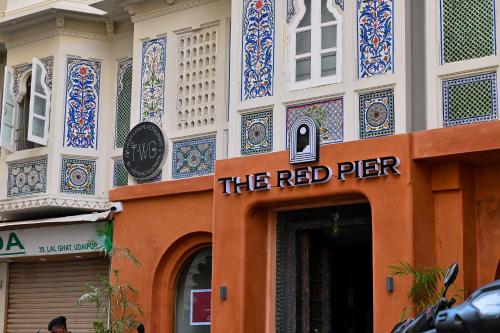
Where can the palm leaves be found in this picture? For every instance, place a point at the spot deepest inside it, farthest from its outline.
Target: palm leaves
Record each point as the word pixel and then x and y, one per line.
pixel 111 298
pixel 424 291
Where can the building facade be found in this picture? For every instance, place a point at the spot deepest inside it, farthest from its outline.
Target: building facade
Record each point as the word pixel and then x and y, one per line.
pixel 226 80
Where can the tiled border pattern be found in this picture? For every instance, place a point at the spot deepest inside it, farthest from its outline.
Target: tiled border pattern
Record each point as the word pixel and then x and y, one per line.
pixel 154 60
pixel 78 176
pixel 468 29
pixel 27 178
pixel 376 114
pixel 470 99
pixel 195 157
pixel 257 133
pixel 257 49
pixel 375 25
pixel 83 80
pixel 123 102
pixel 329 115
pixel 120 174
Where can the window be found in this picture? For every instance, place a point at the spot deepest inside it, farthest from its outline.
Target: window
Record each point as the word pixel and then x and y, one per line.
pixel 25 125
pixel 193 294
pixel 22 121
pixel 315 44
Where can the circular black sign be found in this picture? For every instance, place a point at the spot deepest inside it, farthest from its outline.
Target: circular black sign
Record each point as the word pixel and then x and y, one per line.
pixel 144 151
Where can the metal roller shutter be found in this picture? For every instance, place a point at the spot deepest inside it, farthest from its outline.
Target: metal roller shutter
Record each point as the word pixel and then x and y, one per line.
pixel 39 292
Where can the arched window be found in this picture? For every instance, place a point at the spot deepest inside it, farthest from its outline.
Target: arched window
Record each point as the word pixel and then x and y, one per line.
pixel 193 294
pixel 25 125
pixel 315 44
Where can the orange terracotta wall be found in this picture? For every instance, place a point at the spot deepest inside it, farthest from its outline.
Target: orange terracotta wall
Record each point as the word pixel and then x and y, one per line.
pixel 162 223
pixel 242 245
pixel 488 222
pixel 464 165
pixel 443 207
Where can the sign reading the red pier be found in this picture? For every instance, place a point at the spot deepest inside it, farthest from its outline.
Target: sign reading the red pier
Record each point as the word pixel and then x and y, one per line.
pixel 311 175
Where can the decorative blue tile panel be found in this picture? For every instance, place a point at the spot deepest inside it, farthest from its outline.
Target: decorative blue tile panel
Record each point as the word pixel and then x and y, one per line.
pixel 26 178
pixel 78 176
pixel 257 133
pixel 376 114
pixel 258 49
pixel 120 174
pixel 153 79
pixel 83 79
pixel 123 102
pixel 328 114
pixel 193 157
pixel 470 99
pixel 375 37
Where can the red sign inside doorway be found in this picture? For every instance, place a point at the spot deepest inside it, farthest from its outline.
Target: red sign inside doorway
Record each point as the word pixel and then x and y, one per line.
pixel 200 307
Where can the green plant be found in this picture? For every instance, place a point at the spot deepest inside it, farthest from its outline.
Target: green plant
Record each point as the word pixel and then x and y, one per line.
pixel 111 300
pixel 424 290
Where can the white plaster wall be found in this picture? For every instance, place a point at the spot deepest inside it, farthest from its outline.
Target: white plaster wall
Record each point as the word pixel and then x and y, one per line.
pixel 17 4
pixel 167 25
pixel 121 50
pixel 349 88
pixel 107 53
pixel 436 72
pixel 20 55
pixel 62 47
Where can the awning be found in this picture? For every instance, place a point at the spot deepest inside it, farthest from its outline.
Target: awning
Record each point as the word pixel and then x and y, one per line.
pixel 73 219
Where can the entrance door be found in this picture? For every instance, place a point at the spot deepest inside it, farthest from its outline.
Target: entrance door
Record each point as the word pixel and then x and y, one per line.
pixel 324 271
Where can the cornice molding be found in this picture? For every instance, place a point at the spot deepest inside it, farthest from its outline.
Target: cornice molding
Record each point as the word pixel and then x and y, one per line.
pixel 169 10
pixel 10 205
pixel 67 33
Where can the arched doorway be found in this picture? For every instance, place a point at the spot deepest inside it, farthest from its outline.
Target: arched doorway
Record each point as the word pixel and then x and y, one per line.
pixel 324 270
pixel 193 294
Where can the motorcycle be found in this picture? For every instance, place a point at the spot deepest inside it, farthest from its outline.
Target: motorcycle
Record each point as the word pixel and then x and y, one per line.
pixel 480 313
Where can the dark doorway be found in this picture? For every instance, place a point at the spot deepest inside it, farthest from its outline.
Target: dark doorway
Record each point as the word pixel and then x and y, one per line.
pixel 324 271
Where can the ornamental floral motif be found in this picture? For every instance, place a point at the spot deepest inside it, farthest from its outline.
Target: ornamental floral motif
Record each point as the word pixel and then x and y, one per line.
pixel 375 37
pixel 153 79
pixel 257 133
pixel 78 176
pixel 193 157
pixel 376 111
pixel 27 178
pixel 328 114
pixel 258 49
pixel 82 102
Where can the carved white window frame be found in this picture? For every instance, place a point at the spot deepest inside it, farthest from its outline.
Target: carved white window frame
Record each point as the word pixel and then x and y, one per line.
pixel 316 51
